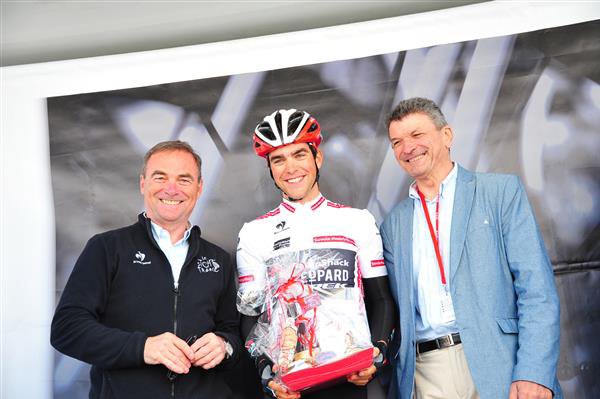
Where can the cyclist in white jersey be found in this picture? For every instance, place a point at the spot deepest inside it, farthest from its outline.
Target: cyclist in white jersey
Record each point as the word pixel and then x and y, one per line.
pixel 308 226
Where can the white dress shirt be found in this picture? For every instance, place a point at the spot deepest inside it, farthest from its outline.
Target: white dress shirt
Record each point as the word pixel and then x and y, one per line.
pixel 427 282
pixel 175 253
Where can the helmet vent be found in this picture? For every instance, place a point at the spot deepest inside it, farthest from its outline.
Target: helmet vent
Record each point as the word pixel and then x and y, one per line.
pixel 278 124
pixel 265 129
pixel 294 122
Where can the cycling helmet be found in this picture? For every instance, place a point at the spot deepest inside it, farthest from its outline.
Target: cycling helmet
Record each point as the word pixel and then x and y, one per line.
pixel 285 127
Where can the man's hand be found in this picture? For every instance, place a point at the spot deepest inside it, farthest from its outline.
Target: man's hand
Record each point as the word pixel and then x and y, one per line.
pixel 280 391
pixel 170 350
pixel 528 390
pixel 362 377
pixel 209 351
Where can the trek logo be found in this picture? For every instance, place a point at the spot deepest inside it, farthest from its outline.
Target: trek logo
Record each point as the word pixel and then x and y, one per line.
pixel 280 227
pixel 206 265
pixel 283 243
pixel 139 258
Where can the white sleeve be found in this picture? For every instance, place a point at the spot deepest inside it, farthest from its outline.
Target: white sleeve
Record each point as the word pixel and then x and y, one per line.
pixel 370 249
pixel 252 274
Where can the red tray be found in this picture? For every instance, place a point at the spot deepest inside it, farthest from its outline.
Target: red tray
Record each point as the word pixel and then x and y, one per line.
pixel 327 373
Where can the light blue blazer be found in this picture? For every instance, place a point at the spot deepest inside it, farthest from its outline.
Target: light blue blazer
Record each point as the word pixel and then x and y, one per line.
pixel 502 287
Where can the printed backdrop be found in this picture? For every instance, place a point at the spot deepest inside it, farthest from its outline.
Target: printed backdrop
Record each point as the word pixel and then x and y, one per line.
pixel 527 104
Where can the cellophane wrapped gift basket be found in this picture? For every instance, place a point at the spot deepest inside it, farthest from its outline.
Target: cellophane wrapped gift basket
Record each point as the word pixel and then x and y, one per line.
pixel 311 326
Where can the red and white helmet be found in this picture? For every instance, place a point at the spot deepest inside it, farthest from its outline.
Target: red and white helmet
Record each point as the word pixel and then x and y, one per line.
pixel 285 127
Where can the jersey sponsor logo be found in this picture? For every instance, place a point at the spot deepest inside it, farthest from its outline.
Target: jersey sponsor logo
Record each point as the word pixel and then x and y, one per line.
pixel 206 265
pixel 283 243
pixel 246 279
pixel 330 277
pixel 280 227
pixel 139 258
pixel 334 239
pixel 377 263
pixel 330 268
pixel 324 268
pixel 322 263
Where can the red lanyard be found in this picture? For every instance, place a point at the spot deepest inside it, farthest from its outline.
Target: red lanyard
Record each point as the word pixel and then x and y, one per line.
pixel 434 236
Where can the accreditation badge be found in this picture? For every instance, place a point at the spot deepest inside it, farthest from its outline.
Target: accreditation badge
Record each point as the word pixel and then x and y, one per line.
pixel 447 307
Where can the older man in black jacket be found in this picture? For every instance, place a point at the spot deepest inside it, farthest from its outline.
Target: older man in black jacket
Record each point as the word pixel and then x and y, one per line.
pixel 151 306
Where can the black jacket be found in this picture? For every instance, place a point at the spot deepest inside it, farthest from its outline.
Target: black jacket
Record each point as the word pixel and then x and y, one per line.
pixel 121 291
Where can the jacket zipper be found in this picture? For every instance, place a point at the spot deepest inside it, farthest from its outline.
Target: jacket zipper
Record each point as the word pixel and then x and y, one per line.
pixel 176 293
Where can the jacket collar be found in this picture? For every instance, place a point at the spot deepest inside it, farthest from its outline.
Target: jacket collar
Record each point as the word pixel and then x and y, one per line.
pixel 194 236
pixel 443 190
pixel 312 205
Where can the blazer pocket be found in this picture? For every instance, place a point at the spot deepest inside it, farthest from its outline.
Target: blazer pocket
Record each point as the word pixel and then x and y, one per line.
pixel 509 325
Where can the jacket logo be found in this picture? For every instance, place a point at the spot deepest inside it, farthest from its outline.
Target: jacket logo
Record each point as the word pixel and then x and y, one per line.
pixel 139 258
pixel 206 265
pixel 279 227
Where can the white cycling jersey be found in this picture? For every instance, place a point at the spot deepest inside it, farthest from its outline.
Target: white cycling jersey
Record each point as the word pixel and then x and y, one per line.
pixel 336 246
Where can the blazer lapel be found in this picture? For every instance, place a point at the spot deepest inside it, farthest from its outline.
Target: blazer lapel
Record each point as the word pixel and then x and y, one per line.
pixel 404 234
pixel 463 201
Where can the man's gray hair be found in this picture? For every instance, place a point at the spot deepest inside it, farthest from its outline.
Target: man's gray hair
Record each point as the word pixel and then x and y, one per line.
pixel 173 145
pixel 418 105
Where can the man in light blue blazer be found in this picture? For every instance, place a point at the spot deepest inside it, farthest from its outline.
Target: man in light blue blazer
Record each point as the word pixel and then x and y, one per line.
pixel 478 308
